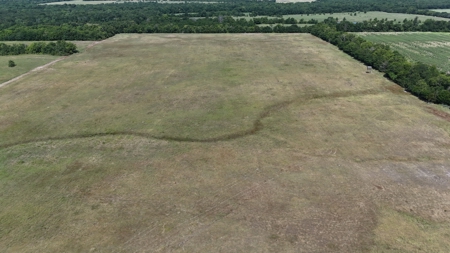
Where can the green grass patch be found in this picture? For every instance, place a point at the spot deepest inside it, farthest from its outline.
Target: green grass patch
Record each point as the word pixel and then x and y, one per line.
pixel 361 16
pixel 441 10
pixel 426 47
pixel 24 63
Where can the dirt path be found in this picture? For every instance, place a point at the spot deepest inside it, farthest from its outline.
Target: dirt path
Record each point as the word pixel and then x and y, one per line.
pixel 44 66
pixel 33 70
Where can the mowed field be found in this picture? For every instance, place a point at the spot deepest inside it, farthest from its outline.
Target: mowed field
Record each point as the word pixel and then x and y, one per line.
pixel 220 143
pixel 361 16
pixel 24 63
pixel 27 62
pixel 427 47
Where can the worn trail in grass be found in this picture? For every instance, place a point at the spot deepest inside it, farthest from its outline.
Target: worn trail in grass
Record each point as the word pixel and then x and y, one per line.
pixel 257 124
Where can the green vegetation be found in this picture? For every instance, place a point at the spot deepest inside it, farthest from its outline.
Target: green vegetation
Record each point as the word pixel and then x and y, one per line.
pixel 428 48
pixel 96 22
pixel 51 48
pixel 11 64
pixel 76 2
pixel 424 81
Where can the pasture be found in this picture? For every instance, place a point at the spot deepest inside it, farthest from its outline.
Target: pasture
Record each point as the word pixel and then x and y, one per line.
pixel 427 47
pixel 24 63
pixel 81 2
pixel 441 10
pixel 77 2
pixel 220 143
pixel 361 16
pixel 27 62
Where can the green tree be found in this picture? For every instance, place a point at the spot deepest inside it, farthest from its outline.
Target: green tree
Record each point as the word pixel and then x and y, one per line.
pixel 11 64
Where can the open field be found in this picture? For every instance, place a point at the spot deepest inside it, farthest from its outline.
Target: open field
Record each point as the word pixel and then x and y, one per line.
pixel 361 16
pixel 77 2
pixel 293 1
pixel 427 47
pixel 441 10
pixel 80 2
pixel 220 143
pixel 24 63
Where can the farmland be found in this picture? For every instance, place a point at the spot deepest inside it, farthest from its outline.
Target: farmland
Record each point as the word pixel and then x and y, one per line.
pixel 354 16
pixel 429 48
pixel 441 10
pixel 81 2
pixel 220 143
pixel 361 16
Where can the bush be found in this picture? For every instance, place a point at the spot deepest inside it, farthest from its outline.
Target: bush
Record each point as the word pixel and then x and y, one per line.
pixel 11 64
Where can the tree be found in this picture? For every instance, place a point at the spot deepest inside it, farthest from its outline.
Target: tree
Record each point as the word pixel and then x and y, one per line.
pixel 11 64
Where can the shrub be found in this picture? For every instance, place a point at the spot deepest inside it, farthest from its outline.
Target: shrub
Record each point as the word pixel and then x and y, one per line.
pixel 11 64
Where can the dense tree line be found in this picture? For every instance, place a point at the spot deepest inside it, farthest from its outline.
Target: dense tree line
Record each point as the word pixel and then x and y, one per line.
pixel 29 13
pixel 52 48
pixel 424 81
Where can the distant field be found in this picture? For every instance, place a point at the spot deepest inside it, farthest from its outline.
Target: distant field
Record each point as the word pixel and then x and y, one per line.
pixel 441 10
pixel 81 2
pixel 287 25
pixel 361 16
pixel 121 1
pixel 24 63
pixel 220 143
pixel 81 45
pixel 426 47
pixel 293 1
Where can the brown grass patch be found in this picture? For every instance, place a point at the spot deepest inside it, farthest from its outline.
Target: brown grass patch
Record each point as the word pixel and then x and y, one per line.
pixel 439 113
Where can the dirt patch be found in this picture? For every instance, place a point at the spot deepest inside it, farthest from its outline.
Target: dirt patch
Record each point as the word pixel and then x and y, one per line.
pixel 396 89
pixel 438 113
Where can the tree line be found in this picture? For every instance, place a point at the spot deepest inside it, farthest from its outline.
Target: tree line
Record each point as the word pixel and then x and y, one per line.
pixel 422 80
pixel 52 48
pixel 28 13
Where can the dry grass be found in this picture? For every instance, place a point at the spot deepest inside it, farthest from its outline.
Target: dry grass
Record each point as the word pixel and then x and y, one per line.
pixel 343 161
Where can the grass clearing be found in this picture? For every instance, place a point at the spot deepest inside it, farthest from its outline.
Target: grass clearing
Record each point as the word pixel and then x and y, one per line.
pixel 427 47
pixel 361 16
pixel 108 154
pixel 24 63
pixel 27 62
pixel 77 2
pixel 440 10
pixel 81 2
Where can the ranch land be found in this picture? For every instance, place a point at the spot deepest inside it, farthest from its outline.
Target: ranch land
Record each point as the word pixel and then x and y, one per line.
pixel 425 47
pixel 220 143
pixel 354 16
pixel 361 16
pixel 81 2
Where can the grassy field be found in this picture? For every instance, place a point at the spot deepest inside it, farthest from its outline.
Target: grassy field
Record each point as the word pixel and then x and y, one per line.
pixel 441 10
pixel 361 16
pixel 220 143
pixel 77 2
pixel 426 47
pixel 25 63
pixel 293 1
pixel 80 2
